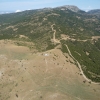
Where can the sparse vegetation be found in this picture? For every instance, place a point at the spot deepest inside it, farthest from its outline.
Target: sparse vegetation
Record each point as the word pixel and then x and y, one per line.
pixel 39 68
pixel 90 62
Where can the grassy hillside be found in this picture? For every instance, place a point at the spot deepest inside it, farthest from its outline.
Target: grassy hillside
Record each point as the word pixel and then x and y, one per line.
pixel 35 26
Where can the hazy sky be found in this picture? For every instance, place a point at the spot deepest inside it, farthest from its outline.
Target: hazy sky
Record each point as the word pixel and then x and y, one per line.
pixel 13 5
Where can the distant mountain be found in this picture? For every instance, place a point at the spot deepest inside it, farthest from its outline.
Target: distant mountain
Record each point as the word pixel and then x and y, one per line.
pixel 6 12
pixel 69 7
pixel 94 12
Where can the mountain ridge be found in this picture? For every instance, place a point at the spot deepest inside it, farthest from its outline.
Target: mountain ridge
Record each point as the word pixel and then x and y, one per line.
pixel 94 12
pixel 65 7
pixel 69 7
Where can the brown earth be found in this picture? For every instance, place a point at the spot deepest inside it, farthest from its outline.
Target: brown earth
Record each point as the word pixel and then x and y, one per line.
pixel 49 75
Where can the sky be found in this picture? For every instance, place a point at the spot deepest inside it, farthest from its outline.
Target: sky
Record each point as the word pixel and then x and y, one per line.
pixel 21 5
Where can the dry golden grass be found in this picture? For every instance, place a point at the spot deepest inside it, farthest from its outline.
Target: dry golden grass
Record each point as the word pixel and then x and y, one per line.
pixel 41 76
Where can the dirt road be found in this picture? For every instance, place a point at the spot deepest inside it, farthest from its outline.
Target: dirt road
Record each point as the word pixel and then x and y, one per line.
pixel 54 37
pixel 80 67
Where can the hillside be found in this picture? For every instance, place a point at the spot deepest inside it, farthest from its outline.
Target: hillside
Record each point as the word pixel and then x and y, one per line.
pixel 36 26
pixel 50 47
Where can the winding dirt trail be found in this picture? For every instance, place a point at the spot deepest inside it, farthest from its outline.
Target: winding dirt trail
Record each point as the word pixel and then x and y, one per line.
pixel 54 35
pixel 81 71
pixel 80 67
